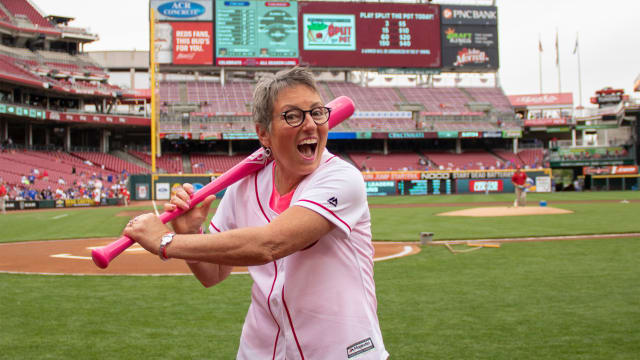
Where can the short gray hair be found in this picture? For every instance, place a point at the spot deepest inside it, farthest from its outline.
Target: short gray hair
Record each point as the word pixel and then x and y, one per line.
pixel 270 85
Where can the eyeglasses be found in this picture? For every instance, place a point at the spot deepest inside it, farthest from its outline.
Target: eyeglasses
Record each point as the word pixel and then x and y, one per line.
pixel 295 117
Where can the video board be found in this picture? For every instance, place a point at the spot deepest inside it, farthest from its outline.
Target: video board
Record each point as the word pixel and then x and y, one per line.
pixel 380 188
pixel 256 33
pixel 425 187
pixel 369 34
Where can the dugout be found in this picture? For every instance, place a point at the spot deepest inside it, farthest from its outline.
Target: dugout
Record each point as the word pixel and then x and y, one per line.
pixel 614 182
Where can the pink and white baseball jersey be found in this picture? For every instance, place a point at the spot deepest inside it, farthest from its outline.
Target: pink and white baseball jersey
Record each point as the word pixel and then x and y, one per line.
pixel 318 303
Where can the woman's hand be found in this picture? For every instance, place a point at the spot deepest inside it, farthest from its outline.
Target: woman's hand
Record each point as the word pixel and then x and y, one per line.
pixel 147 230
pixel 191 221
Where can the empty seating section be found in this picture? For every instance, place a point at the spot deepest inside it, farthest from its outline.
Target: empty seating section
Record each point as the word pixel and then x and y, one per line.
pixel 469 160
pixel 234 97
pixel 111 162
pixel 380 162
pixel 172 163
pixel 531 157
pixel 168 92
pixel 9 67
pixel 212 124
pixel 494 96
pixel 509 157
pixel 58 165
pixel 367 98
pixel 207 163
pixel 445 100
pixel 23 7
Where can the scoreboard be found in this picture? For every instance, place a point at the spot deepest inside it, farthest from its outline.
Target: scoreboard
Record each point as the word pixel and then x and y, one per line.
pixel 369 34
pixel 256 33
pixel 337 34
pixel 424 187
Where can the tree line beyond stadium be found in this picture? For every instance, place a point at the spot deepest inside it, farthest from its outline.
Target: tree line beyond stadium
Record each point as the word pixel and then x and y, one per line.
pixel 325 34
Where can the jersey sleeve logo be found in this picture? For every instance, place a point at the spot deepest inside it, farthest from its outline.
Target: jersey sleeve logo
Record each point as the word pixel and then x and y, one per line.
pixel 360 347
pixel 333 201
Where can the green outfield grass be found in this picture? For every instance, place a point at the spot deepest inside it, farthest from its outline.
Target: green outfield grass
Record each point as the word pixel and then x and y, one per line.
pixel 551 300
pixel 545 300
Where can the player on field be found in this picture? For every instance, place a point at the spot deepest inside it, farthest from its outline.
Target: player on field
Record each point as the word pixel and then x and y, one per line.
pixel 519 180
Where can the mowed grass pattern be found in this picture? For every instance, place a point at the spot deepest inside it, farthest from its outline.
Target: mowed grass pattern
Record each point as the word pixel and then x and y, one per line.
pixel 545 300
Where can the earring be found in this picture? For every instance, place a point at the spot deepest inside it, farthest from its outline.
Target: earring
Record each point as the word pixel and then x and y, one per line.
pixel 267 151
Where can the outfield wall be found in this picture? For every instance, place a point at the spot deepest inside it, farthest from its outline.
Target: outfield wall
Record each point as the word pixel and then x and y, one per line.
pixel 378 183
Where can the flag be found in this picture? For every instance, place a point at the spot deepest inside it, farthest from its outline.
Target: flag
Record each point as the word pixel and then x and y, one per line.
pixel 575 48
pixel 557 50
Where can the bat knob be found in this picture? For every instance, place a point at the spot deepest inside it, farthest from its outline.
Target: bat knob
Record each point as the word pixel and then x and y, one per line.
pixel 100 258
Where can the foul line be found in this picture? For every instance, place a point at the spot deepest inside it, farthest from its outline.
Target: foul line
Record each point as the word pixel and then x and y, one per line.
pixel 406 250
pixel 538 238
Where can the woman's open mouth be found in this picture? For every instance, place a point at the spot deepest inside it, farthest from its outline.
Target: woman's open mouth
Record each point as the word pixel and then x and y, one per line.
pixel 307 148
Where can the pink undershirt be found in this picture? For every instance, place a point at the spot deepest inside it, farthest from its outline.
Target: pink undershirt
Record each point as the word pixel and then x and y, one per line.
pixel 277 202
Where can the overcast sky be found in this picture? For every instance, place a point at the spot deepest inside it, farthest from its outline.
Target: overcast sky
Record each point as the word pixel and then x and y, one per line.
pixel 608 39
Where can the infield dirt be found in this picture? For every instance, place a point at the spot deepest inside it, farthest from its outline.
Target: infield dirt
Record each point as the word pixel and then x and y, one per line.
pixel 493 211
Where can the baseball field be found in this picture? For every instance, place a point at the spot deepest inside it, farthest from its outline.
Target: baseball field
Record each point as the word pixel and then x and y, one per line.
pixel 576 298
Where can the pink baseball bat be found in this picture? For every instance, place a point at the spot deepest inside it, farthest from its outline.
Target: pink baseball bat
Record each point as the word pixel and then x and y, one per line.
pixel 341 108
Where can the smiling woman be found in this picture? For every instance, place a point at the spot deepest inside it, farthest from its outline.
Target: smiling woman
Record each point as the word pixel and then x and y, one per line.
pixel 302 222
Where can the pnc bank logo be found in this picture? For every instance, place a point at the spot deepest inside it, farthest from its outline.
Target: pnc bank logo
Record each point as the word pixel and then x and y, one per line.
pixel 447 13
pixel 181 9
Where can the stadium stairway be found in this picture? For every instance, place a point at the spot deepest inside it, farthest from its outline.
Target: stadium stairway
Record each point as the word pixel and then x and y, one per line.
pixel 186 164
pixel 182 92
pixel 400 95
pixel 327 91
pixel 132 159
pixel 471 98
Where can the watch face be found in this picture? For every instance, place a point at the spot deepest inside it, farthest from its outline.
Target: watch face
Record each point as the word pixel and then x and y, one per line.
pixel 166 238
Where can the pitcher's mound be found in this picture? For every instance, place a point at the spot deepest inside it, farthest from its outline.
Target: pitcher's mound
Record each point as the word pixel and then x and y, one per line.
pixel 506 211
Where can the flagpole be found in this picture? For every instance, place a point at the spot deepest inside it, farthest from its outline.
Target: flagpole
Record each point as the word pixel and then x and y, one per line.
pixel 558 62
pixel 540 62
pixel 577 51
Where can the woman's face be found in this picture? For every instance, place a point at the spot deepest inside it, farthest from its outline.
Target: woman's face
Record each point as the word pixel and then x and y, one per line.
pixel 297 150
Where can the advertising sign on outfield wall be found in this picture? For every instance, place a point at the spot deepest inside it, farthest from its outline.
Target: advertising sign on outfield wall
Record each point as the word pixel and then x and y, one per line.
pixel 163 191
pixel 543 183
pixel 485 185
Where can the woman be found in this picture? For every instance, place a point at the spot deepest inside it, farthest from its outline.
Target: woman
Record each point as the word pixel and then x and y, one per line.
pixel 302 226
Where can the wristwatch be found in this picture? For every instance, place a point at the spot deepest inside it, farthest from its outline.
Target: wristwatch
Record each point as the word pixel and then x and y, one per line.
pixel 166 240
